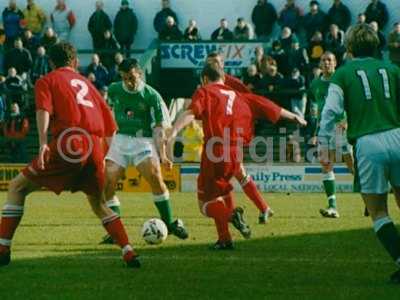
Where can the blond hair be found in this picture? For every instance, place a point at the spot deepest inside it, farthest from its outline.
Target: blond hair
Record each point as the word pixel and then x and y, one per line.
pixel 362 40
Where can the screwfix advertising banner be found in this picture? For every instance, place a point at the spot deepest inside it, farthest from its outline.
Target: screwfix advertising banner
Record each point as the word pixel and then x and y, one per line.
pixel 192 55
pixel 279 178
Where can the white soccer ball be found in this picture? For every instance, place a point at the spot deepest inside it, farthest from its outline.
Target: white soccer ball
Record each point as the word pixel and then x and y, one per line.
pixel 154 231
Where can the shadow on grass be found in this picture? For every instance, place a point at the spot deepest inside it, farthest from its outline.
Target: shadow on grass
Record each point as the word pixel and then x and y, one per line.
pixel 335 265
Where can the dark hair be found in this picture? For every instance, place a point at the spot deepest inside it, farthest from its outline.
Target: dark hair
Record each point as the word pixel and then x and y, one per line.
pixel 129 64
pixel 213 72
pixel 213 54
pixel 62 54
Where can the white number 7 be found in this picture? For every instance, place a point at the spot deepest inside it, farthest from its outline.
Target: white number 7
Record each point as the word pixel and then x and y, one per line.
pixel 84 90
pixel 231 99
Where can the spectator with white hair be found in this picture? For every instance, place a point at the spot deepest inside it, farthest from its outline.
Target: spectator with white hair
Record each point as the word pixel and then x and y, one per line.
pixel 171 32
pixel 63 20
pixel 192 32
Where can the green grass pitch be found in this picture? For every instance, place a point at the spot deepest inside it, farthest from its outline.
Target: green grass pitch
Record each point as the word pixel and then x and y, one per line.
pixel 297 255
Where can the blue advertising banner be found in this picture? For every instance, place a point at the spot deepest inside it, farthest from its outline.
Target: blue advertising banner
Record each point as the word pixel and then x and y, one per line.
pixel 192 55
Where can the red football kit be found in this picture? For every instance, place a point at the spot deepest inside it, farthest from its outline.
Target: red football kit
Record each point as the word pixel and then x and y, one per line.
pixel 79 121
pixel 227 118
pixel 236 84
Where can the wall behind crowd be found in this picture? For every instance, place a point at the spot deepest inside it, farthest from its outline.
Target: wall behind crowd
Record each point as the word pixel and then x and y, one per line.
pixel 206 12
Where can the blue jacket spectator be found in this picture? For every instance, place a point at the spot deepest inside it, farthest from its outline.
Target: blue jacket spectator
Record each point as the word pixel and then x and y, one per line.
pixel 12 17
pixel 291 16
pixel 161 17
pixel 340 15
pixel 377 11
pixel 264 17
pixel 99 71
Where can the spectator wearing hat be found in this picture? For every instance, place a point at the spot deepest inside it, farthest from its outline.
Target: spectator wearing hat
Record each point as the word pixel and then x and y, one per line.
pixel 264 17
pixel 315 20
pixel 192 32
pixel 63 20
pixel 161 17
pixel 35 18
pixel 99 22
pixel 125 27
pixel 222 33
pixel 12 18
pixel 394 44
pixel 243 31
pixel 171 32
pixel 340 15
pixel 377 11
pixel 291 16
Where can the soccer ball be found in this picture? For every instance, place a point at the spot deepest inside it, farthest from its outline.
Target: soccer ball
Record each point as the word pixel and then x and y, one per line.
pixel 154 231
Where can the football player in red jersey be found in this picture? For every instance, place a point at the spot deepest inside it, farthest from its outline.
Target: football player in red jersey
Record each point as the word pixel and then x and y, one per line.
pixel 246 182
pixel 227 118
pixel 74 159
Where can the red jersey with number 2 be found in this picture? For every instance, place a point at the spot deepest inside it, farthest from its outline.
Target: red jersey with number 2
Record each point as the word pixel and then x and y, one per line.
pixel 73 101
pixel 227 113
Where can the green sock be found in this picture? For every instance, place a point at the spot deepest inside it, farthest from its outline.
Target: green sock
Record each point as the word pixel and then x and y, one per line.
pixel 389 237
pixel 330 188
pixel 114 205
pixel 164 207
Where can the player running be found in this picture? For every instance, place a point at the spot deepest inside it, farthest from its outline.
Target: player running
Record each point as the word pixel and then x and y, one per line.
pixel 367 89
pixel 227 118
pixel 317 95
pixel 246 182
pixel 74 159
pixel 142 117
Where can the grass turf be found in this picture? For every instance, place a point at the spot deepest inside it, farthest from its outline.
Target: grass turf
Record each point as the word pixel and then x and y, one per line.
pixel 297 255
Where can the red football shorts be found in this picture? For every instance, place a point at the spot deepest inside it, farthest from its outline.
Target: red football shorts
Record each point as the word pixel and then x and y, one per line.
pixel 214 178
pixel 75 163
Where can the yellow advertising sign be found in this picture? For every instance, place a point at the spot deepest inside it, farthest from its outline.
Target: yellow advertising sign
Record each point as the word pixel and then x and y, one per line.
pixel 7 173
pixel 134 182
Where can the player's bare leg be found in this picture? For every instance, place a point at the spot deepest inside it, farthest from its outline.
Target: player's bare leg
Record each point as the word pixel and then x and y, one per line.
pixel 330 187
pixel 13 210
pixel 114 173
pixel 384 226
pixel 250 189
pixel 115 228
pixel 150 169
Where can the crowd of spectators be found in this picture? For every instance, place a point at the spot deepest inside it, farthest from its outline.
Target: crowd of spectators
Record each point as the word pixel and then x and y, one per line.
pixel 286 64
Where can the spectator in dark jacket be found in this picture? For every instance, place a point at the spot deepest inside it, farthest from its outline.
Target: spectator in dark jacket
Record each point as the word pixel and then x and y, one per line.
pixel 382 39
pixel 12 17
pixel 15 88
pixel 316 49
pixel 334 42
pixel 30 42
pixel 264 17
pixel 98 23
pixel 192 33
pixel 243 31
pixel 361 18
pixel 394 44
pixel 340 15
pixel 315 20
pixel 279 56
pixel 49 39
pixel 298 58
pixel 18 58
pixel 272 80
pixel 114 74
pixel 222 33
pixel 40 65
pixel 291 16
pixel 109 48
pixel 171 32
pixel 377 11
pixel 252 78
pixel 125 27
pixel 99 71
pixel 161 17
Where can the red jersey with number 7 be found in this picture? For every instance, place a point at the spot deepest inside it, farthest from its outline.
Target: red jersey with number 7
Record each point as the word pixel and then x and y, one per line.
pixel 73 101
pixel 230 115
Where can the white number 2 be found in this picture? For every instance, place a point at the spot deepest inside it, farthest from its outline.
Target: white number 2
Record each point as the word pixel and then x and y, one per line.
pixel 84 90
pixel 231 99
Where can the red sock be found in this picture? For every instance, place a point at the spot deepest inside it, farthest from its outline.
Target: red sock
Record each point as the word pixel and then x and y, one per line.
pixel 229 202
pixel 217 210
pixel 116 230
pixel 254 195
pixel 11 217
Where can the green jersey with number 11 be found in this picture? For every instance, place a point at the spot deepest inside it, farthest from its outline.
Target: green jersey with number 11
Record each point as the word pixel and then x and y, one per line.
pixel 370 88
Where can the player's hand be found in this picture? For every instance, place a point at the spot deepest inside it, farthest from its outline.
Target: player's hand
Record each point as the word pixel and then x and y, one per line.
pixel 342 125
pixel 300 121
pixel 44 156
pixel 167 163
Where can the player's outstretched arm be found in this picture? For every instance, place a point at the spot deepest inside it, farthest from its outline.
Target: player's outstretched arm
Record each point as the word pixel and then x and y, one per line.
pixel 184 120
pixel 43 121
pixel 161 143
pixel 287 115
